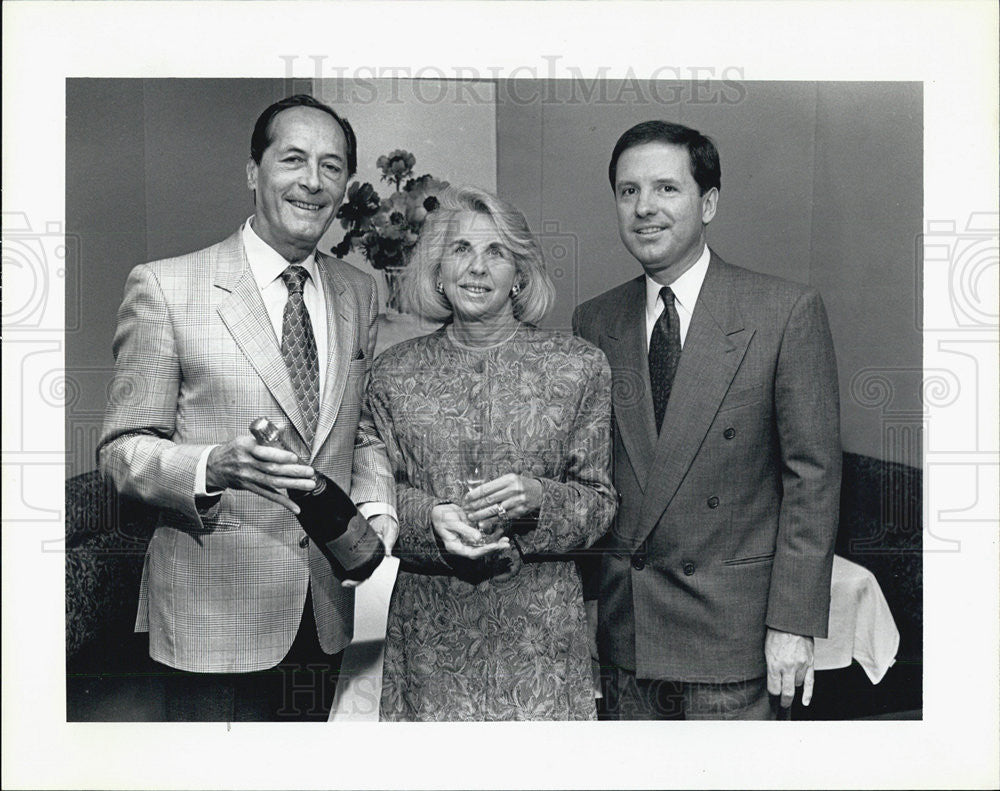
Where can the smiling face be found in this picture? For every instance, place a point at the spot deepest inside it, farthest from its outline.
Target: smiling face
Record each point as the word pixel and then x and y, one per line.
pixel 661 213
pixel 477 270
pixel 299 182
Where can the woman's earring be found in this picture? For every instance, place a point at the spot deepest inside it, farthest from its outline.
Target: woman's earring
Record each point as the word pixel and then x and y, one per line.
pixel 439 287
pixel 515 290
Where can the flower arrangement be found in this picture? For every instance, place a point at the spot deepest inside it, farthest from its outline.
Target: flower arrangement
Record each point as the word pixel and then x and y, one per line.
pixel 386 230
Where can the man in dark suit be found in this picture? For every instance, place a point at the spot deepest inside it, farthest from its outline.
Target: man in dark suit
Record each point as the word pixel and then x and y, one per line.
pixel 716 575
pixel 244 611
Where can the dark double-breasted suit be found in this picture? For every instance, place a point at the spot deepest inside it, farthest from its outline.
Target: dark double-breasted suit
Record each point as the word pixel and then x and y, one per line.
pixel 727 518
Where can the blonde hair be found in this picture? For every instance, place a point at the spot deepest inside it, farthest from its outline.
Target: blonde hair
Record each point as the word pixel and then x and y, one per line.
pixel 422 273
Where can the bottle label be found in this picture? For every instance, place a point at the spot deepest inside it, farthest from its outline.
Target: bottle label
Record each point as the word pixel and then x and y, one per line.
pixel 356 545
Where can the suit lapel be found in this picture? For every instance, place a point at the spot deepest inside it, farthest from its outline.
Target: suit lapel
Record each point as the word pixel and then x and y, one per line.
pixel 714 347
pixel 633 405
pixel 243 313
pixel 340 322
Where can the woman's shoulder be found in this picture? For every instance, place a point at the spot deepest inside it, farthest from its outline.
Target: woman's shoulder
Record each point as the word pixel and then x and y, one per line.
pixel 561 342
pixel 406 352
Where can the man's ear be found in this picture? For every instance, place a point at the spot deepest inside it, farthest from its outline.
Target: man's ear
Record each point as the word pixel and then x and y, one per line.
pixel 252 168
pixel 709 203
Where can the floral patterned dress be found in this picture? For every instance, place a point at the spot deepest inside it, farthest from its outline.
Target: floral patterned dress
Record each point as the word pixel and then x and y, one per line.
pixel 504 637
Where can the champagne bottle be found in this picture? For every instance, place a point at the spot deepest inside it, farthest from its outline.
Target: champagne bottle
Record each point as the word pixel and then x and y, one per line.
pixel 330 518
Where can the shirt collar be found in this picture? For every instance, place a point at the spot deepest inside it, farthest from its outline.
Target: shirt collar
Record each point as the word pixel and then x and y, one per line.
pixel 266 264
pixel 686 288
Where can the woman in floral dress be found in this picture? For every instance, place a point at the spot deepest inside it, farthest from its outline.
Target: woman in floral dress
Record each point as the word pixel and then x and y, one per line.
pixel 486 621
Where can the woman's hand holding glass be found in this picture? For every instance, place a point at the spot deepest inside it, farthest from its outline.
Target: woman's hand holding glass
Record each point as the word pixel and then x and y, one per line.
pixel 495 504
pixel 459 537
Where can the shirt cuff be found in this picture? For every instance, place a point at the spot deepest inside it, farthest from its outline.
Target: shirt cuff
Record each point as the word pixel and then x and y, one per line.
pixel 374 508
pixel 201 474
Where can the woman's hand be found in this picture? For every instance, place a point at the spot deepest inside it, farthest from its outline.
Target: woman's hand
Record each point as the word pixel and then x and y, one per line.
pixel 494 504
pixel 459 537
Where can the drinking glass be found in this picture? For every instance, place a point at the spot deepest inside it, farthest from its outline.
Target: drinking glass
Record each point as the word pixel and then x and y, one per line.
pixel 470 460
pixel 472 467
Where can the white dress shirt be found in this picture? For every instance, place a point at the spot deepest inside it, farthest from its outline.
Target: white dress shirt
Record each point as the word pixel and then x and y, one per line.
pixel 686 289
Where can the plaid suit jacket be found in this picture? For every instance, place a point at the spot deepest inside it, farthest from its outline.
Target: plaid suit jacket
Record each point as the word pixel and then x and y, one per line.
pixel 728 517
pixel 225 578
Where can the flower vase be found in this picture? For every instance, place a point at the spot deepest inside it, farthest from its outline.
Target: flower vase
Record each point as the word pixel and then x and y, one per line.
pixel 393 283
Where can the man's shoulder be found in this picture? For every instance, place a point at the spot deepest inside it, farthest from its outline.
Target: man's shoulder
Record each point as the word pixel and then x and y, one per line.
pixel 611 299
pixel 198 262
pixel 758 287
pixel 354 277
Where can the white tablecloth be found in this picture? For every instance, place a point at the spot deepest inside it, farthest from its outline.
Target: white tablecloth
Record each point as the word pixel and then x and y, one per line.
pixel 861 626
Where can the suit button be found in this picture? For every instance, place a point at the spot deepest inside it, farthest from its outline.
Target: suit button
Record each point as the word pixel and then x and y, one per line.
pixel 304 541
pixel 638 562
pixel 713 502
pixel 729 433
pixel 688 569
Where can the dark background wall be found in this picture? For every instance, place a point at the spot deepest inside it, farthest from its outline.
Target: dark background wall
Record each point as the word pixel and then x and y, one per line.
pixel 138 188
pixel 821 183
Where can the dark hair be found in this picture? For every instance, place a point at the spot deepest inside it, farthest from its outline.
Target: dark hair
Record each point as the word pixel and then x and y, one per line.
pixel 261 137
pixel 701 150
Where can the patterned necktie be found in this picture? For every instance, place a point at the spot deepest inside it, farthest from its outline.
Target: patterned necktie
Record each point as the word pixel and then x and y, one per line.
pixel 664 354
pixel 298 347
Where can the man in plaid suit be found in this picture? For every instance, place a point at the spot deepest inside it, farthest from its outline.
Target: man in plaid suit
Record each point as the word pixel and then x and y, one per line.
pixel 244 610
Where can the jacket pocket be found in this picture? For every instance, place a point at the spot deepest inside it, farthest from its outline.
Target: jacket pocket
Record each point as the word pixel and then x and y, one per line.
pixel 741 397
pixel 179 521
pixel 748 560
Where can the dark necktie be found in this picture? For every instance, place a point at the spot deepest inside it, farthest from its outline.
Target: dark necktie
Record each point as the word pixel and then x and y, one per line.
pixel 298 347
pixel 664 354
